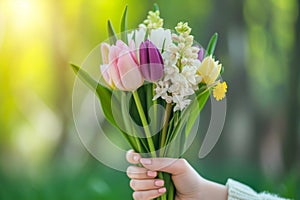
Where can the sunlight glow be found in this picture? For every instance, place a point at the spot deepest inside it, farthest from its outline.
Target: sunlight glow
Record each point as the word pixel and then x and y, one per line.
pixel 23 13
pixel 1 28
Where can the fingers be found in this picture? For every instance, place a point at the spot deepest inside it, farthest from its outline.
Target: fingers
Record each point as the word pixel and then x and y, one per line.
pixel 150 194
pixel 143 185
pixel 170 165
pixel 135 172
pixel 132 157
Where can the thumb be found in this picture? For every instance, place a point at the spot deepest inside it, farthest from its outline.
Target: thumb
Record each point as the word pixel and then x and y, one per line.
pixel 173 166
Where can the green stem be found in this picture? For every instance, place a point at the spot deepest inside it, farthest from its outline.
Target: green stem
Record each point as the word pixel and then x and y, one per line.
pixel 144 122
pixel 161 176
pixel 171 193
pixel 127 124
pixel 165 128
pixel 154 110
pixel 137 141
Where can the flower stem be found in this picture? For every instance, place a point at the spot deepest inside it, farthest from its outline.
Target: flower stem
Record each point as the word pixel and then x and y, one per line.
pixel 154 109
pixel 161 176
pixel 171 192
pixel 165 128
pixel 144 122
pixel 126 117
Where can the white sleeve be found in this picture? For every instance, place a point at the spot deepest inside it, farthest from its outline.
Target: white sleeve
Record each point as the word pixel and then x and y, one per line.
pixel 239 191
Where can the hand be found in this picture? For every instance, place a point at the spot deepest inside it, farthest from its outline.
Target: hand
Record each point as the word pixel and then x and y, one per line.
pixel 188 183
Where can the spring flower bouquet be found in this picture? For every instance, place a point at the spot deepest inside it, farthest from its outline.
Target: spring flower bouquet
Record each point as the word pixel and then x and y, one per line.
pixel 154 83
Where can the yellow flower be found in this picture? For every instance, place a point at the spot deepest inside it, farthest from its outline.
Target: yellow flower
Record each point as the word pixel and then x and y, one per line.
pixel 209 69
pixel 220 90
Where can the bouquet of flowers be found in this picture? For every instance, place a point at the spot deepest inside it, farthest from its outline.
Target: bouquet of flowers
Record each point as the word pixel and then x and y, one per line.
pixel 154 83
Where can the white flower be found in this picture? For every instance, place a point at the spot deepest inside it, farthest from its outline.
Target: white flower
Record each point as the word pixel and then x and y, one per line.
pixel 190 73
pixel 181 103
pixel 138 36
pixel 181 62
pixel 153 20
pixel 209 70
pixel 160 37
pixel 170 56
pixel 161 89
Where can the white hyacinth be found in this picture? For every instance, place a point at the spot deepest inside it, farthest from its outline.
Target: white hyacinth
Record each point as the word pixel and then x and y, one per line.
pixel 180 69
pixel 180 58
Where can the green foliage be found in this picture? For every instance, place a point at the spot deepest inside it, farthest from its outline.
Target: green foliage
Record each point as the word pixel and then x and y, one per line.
pixel 111 33
pixel 211 45
pixel 124 26
pixel 197 106
pixel 102 92
pixel 61 181
pixel 105 97
pixel 155 7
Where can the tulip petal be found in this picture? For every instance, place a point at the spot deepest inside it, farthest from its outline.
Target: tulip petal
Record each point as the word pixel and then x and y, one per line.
pixel 130 74
pixel 168 38
pixel 144 60
pixel 157 37
pixel 105 73
pixel 209 70
pixel 151 61
pixel 113 68
pixel 201 54
pixel 156 62
pixel 139 36
pixel 133 50
pixel 114 54
pixel 105 52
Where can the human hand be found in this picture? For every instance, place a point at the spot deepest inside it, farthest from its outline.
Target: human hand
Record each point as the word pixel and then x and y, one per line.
pixel 188 183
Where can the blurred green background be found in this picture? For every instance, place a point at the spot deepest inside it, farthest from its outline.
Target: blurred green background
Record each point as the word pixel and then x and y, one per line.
pixel 41 156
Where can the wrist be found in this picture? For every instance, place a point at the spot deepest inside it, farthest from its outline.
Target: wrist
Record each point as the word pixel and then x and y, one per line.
pixel 213 190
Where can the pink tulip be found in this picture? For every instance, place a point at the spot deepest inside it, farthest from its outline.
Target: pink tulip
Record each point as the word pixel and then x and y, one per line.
pixel 104 67
pixel 122 70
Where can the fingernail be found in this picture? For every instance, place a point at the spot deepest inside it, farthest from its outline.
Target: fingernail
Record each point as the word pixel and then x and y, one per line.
pixel 145 161
pixel 159 183
pixel 162 190
pixel 135 158
pixel 151 173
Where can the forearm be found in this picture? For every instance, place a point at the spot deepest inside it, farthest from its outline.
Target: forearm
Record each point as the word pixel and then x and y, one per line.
pixel 213 190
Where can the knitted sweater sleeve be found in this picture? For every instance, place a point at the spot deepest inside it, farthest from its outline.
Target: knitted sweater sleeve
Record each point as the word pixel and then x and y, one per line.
pixel 239 191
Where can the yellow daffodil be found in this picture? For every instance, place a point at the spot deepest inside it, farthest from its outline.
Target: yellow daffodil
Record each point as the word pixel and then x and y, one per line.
pixel 209 69
pixel 220 90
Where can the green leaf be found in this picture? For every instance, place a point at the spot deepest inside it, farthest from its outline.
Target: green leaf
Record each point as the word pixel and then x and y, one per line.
pixel 129 129
pixel 190 114
pixel 155 7
pixel 85 77
pixel 170 131
pixel 197 106
pixel 105 97
pixel 222 70
pixel 124 26
pixel 102 92
pixel 111 33
pixel 163 46
pixel 211 45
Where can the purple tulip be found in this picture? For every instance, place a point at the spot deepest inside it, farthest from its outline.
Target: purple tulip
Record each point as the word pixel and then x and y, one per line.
pixel 152 66
pixel 201 54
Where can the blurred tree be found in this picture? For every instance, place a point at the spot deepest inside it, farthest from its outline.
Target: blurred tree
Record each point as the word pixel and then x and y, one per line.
pixel 291 140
